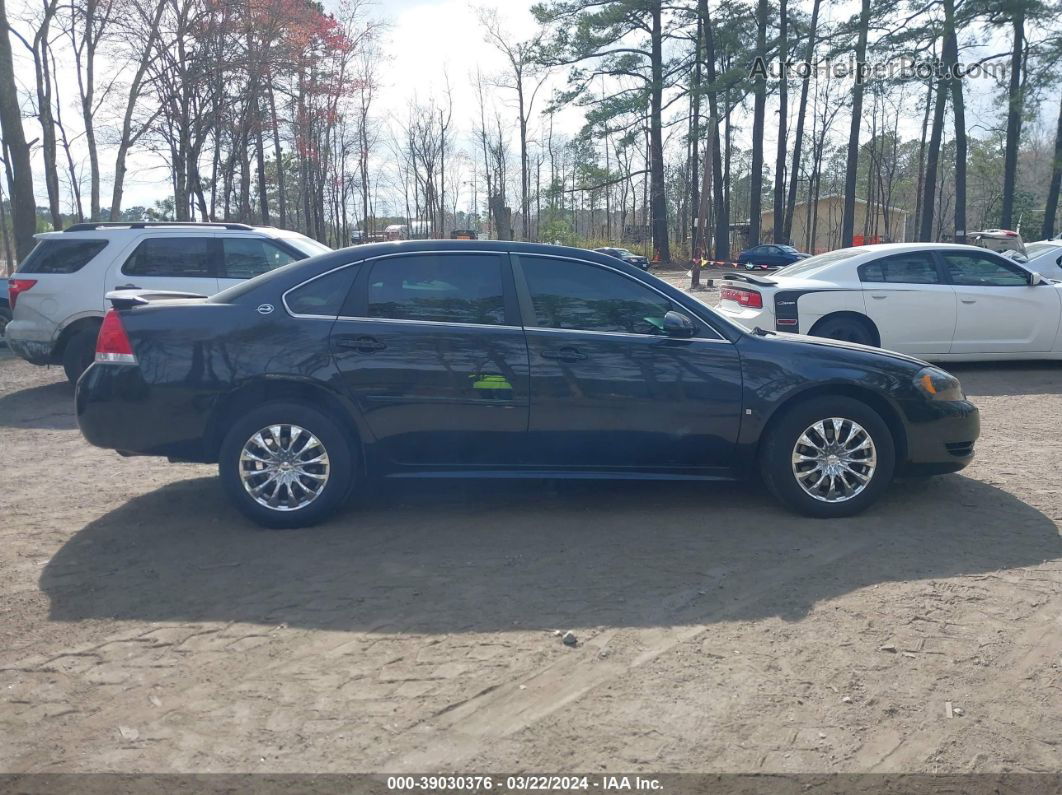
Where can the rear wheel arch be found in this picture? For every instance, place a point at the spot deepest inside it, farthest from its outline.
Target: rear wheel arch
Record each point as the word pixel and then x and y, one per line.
pixel 881 406
pixel 71 329
pixel 282 390
pixel 852 316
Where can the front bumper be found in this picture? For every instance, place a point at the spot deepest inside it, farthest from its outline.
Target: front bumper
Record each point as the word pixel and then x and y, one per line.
pixel 116 409
pixel 941 435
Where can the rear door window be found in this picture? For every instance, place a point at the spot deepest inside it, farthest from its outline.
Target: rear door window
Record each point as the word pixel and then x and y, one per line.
pixel 247 257
pixel 61 256
pixel 185 256
pixel 917 267
pixel 442 288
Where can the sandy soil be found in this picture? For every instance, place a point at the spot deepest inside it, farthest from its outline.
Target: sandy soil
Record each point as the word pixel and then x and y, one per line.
pixel 147 627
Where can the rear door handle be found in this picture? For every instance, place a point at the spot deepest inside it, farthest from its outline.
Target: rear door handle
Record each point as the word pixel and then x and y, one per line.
pixel 565 354
pixel 362 343
pixel 127 287
pixel 968 300
pixel 878 297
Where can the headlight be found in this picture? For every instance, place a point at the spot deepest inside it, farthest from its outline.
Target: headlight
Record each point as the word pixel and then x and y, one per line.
pixel 936 384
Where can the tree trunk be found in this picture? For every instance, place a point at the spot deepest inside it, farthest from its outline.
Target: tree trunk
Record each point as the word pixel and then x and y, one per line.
pixel 958 110
pixel 798 140
pixel 922 161
pixel 658 197
pixel 1051 209
pixel 721 212
pixel 778 232
pixel 696 236
pixel 852 163
pixel 929 181
pixel 759 108
pixel 17 151
pixel 1014 111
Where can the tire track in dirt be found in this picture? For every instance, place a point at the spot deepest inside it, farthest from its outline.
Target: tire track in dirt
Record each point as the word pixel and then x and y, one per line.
pixel 502 711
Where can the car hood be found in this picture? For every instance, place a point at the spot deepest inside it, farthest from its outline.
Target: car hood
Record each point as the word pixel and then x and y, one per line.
pixel 822 342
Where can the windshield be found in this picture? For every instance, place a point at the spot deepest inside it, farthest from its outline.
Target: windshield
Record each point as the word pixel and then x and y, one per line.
pixel 788 249
pixel 624 252
pixel 812 264
pixel 307 245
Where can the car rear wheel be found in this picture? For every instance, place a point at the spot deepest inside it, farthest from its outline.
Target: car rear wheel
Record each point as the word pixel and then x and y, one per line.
pixel 286 465
pixel 79 353
pixel 5 318
pixel 828 457
pixel 845 329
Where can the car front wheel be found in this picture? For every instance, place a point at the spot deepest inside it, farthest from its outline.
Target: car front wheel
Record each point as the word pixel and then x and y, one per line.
pixel 828 457
pixel 286 465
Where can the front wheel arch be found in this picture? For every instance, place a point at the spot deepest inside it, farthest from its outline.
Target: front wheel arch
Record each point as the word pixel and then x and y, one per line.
pixel 879 404
pixel 854 317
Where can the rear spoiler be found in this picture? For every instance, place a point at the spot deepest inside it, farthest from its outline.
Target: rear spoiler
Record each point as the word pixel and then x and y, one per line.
pixel 127 299
pixel 763 281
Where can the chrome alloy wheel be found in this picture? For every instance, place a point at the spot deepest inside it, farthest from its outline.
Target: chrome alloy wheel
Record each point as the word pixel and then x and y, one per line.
pixel 834 459
pixel 284 467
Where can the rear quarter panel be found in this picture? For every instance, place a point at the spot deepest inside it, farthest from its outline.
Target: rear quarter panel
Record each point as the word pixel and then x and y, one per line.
pixel 191 357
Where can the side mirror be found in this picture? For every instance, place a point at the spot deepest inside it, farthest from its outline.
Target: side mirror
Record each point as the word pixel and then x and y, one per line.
pixel 677 324
pixel 1035 278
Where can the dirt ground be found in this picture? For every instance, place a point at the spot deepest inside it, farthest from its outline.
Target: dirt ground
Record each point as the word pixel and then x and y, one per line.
pixel 147 627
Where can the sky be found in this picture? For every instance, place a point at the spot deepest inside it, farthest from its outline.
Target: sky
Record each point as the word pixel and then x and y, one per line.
pixel 428 44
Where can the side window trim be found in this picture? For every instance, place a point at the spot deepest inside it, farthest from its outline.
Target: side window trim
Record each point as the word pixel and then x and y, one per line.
pixel 530 318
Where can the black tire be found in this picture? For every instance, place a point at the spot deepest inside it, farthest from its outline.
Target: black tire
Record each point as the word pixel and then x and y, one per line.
pixel 846 329
pixel 340 466
pixel 776 455
pixel 5 318
pixel 79 353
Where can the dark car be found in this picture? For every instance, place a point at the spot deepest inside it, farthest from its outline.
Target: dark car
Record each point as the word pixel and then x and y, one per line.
pixel 629 257
pixel 432 358
pixel 769 255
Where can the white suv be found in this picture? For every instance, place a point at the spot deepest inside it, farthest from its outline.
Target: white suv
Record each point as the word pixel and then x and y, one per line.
pixel 57 293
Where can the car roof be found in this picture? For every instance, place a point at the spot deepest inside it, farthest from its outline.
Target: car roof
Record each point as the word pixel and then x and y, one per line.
pixel 108 230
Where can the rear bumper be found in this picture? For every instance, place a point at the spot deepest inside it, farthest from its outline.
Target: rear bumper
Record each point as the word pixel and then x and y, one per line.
pixel 940 436
pixel 28 343
pixel 118 410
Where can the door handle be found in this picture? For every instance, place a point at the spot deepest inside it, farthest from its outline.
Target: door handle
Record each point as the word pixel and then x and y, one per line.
pixel 127 287
pixel 968 300
pixel 361 343
pixel 878 297
pixel 565 354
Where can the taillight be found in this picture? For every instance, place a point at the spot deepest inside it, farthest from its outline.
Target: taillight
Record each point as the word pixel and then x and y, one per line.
pixel 16 287
pixel 740 295
pixel 112 345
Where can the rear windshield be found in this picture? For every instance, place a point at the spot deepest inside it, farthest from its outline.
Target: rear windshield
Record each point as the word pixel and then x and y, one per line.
pixel 231 294
pixel 61 256
pixel 806 266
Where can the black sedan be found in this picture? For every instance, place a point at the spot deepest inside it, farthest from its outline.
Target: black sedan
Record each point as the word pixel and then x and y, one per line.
pixel 629 257
pixel 769 255
pixel 433 358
